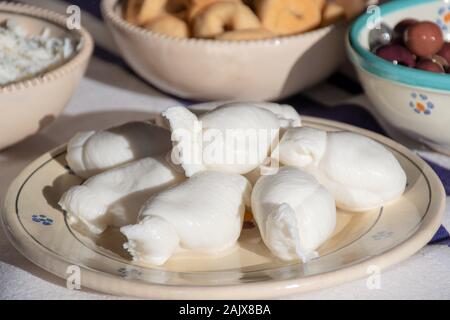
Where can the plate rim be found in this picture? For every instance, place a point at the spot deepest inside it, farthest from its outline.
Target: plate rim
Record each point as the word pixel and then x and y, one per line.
pixel 112 284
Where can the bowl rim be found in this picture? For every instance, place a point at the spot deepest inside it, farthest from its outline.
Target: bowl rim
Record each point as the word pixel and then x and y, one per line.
pixel 385 69
pixel 108 8
pixel 73 63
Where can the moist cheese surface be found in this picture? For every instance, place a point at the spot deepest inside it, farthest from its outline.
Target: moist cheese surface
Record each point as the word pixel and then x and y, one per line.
pixel 23 56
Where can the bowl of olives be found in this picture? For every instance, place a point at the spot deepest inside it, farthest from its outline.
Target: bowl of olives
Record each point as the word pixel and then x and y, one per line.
pixel 401 52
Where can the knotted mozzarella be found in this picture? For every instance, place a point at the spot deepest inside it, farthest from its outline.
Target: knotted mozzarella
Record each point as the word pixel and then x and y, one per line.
pixel 235 137
pixel 205 214
pixel 114 197
pixel 360 172
pixel 285 113
pixel 294 213
pixel 89 153
pixel 289 118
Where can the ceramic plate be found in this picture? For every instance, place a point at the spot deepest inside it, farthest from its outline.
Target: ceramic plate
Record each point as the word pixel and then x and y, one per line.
pixel 39 230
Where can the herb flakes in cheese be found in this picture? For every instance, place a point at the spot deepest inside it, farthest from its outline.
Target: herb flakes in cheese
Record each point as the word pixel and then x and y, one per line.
pixel 23 56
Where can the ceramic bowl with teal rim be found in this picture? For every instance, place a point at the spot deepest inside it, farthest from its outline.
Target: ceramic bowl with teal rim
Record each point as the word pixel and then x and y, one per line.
pixel 415 102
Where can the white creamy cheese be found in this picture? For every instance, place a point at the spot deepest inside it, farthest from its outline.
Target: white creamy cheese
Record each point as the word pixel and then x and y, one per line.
pixel 114 197
pixel 90 153
pixel 294 213
pixel 286 113
pixel 23 56
pixel 289 118
pixel 360 172
pixel 203 214
pixel 235 137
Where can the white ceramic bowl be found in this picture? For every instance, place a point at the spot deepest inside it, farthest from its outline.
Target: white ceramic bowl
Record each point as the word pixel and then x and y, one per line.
pixel 30 105
pixel 228 70
pixel 411 101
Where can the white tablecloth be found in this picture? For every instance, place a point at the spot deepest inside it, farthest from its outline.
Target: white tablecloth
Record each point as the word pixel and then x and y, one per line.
pixel 107 96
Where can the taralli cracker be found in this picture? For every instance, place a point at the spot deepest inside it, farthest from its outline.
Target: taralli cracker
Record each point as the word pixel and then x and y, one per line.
pixel 321 4
pixel 150 9
pixel 169 25
pixel 332 13
pixel 247 34
pixel 352 8
pixel 141 12
pixel 287 17
pixel 177 6
pixel 236 20
pixel 222 16
pixel 198 6
pixel 131 10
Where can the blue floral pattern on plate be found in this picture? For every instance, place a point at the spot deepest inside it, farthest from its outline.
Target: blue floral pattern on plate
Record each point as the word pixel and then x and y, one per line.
pixel 42 219
pixel 129 273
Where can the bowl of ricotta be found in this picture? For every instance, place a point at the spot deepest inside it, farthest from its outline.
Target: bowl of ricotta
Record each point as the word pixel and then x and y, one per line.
pixel 41 65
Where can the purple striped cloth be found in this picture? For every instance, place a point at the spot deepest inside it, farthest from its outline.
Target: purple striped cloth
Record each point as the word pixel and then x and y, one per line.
pixel 350 114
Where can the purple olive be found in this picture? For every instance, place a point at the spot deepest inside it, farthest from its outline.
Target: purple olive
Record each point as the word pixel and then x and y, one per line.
pixel 430 65
pixel 424 38
pixel 401 27
pixel 397 54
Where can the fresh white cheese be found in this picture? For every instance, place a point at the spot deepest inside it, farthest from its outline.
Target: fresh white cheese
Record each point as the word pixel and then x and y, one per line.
pixel 23 56
pixel 235 137
pixel 203 214
pixel 360 172
pixel 90 153
pixel 294 213
pixel 288 116
pixel 114 197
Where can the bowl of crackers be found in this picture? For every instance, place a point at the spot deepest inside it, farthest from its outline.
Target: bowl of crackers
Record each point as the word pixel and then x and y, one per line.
pixel 229 49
